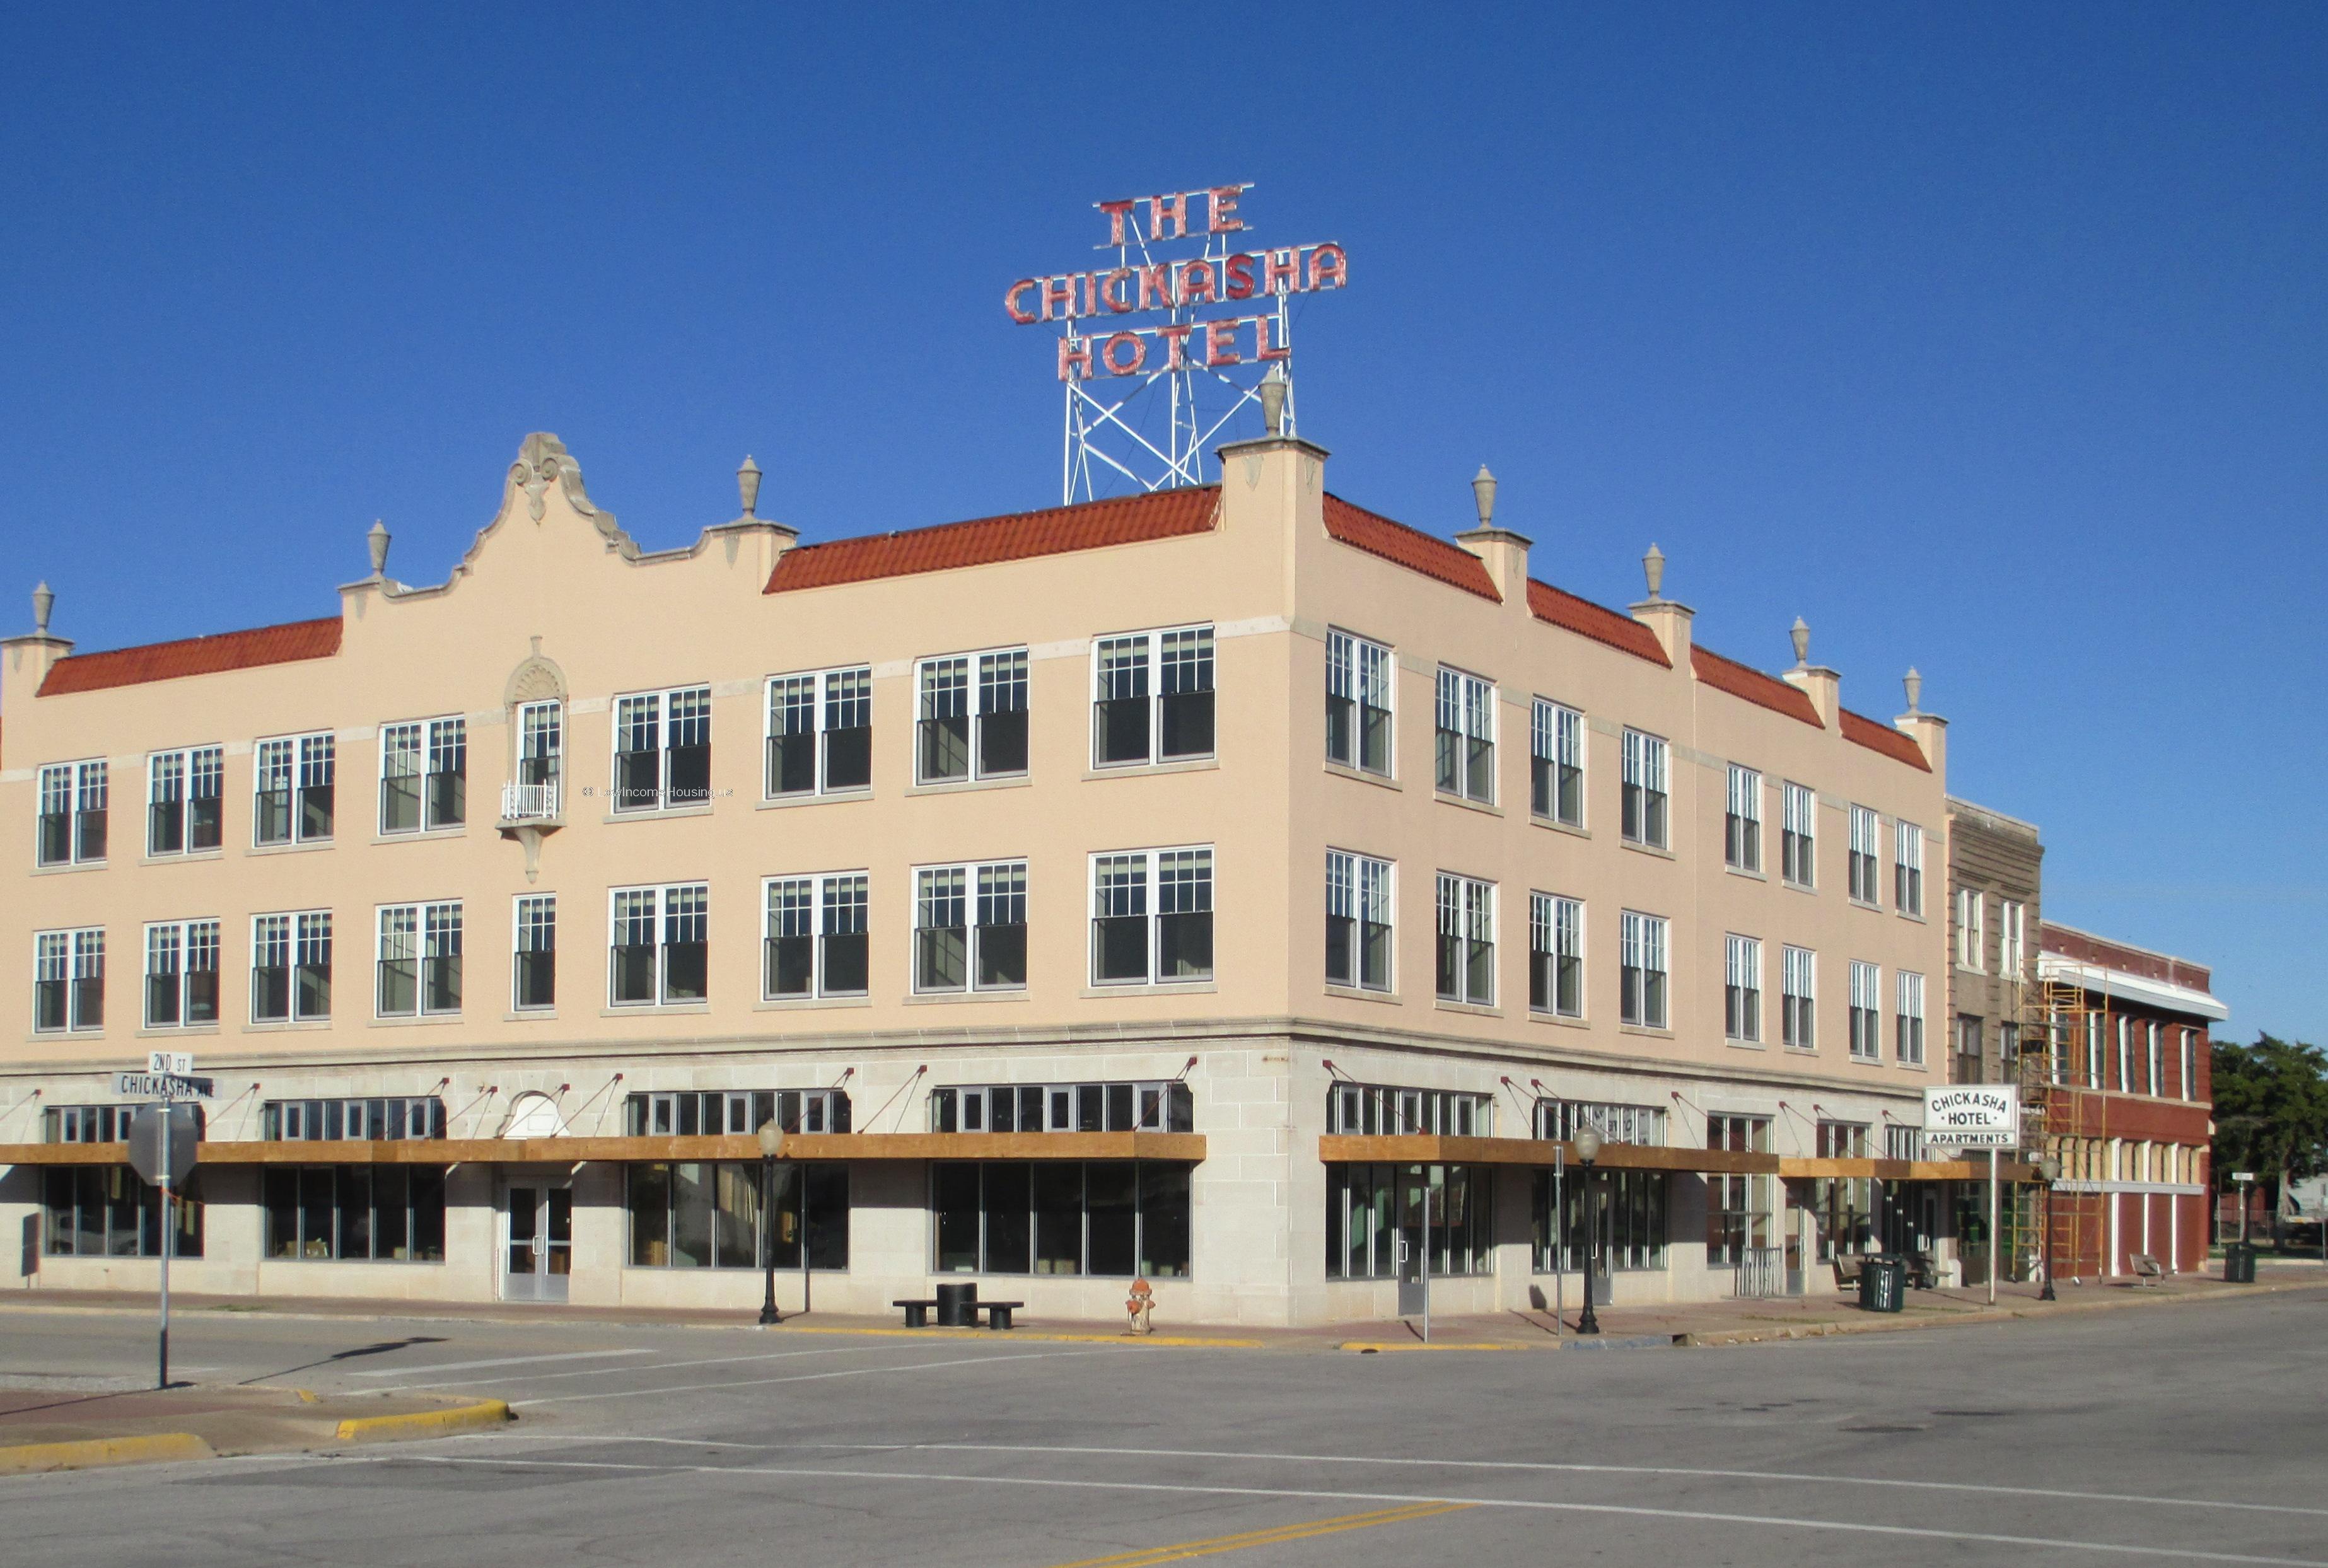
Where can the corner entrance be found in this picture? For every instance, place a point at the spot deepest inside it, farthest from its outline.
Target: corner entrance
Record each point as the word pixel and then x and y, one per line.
pixel 538 1241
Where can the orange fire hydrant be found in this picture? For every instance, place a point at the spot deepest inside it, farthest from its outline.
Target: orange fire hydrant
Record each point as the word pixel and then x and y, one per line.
pixel 1141 1307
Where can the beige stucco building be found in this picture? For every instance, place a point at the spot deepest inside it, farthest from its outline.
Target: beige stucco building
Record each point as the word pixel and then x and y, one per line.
pixel 1176 885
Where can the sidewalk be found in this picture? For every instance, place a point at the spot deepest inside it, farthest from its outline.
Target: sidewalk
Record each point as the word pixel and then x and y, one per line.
pixel 1679 1324
pixel 69 1427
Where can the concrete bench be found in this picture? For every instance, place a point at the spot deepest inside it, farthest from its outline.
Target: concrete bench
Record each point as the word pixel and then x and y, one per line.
pixel 917 1313
pixel 998 1313
pixel 2147 1270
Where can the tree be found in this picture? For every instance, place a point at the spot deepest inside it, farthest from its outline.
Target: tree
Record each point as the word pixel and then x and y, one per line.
pixel 2271 1110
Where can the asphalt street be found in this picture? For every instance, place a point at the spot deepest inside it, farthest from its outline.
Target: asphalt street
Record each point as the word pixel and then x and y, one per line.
pixel 2183 1433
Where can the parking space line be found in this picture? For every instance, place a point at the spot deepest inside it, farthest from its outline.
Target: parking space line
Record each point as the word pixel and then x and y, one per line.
pixel 1271 1537
pixel 1621 1510
pixel 658 1366
pixel 496 1361
pixel 803 1377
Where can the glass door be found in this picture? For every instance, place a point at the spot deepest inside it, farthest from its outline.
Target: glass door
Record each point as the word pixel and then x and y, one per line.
pixel 538 1249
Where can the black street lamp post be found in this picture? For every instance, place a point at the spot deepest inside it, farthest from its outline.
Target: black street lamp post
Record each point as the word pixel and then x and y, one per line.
pixel 772 1147
pixel 1586 1144
pixel 2048 1171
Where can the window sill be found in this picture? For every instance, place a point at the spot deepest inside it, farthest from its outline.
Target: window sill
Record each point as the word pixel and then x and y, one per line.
pixel 287 1026
pixel 1361 993
pixel 1794 1050
pixel 1484 808
pixel 421 1020
pixel 1742 871
pixel 797 1003
pixel 1142 769
pixel 176 1031
pixel 1154 987
pixel 422 836
pixel 1645 1029
pixel 933 997
pixel 1016 780
pixel 1915 914
pixel 42 1037
pixel 1744 1044
pixel 1791 886
pixel 1875 1061
pixel 69 868
pixel 654 1010
pixel 783 802
pixel 182 857
pixel 1572 828
pixel 1563 1020
pixel 532 1015
pixel 302 847
pixel 1360 776
pixel 662 815
pixel 1652 850
pixel 1475 1008
pixel 1864 904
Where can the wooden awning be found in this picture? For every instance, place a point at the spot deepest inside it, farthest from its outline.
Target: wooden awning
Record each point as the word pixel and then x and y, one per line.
pixel 1429 1149
pixel 886 1146
pixel 1907 1169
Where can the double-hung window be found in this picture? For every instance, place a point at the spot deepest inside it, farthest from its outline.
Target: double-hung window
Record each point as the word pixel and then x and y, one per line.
pixel 1799 835
pixel 1646 793
pixel 1152 697
pixel 1865 871
pixel 292 789
pixel 970 926
pixel 1907 868
pixel 534 952
pixel 423 775
pixel 1557 764
pixel 1556 956
pixel 1357 921
pixel 1907 1038
pixel 1972 938
pixel 1741 988
pixel 540 760
pixel 183 812
pixel 1464 751
pixel 662 749
pixel 1742 824
pixel 1642 970
pixel 1152 917
pixel 181 974
pixel 1467 940
pixel 972 720
pixel 291 967
pixel 820 732
pixel 660 945
pixel 2012 938
pixel 74 814
pixel 1798 1001
pixel 68 979
pixel 419 959
pixel 1866 1013
pixel 2154 1084
pixel 818 941
pixel 2125 1085
pixel 1358 683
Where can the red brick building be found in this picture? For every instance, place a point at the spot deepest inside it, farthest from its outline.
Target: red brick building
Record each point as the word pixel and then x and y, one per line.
pixel 2124 1096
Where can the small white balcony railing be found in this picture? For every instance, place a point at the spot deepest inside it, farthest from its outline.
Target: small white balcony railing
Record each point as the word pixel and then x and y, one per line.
pixel 529 802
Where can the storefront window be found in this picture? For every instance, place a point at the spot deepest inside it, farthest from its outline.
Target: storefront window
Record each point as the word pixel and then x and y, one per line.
pixel 99 1211
pixel 388 1214
pixel 1111 1218
pixel 705 1214
pixel 1632 1205
pixel 1370 1208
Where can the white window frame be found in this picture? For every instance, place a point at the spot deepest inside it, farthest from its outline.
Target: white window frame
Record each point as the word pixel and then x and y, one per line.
pixel 1799 835
pixel 1466 911
pixel 71 952
pixel 662 915
pixel 1741 846
pixel 1907 868
pixel 1648 768
pixel 181 939
pixel 1464 705
pixel 1866 1011
pixel 188 766
pixel 849 685
pixel 2189 1063
pixel 1644 945
pixel 663 699
pixel 305 754
pixel 1741 980
pixel 981 893
pixel 444 736
pixel 1363 674
pixel 83 783
pixel 1556 741
pixel 1798 999
pixel 2155 1058
pixel 1556 928
pixel 2125 1053
pixel 1201 862
pixel 2012 938
pixel 1363 890
pixel 1156 662
pixel 1907 1037
pixel 828 896
pixel 1865 870
pixel 988 680
pixel 433 923
pixel 301 928
pixel 522 926
pixel 1971 934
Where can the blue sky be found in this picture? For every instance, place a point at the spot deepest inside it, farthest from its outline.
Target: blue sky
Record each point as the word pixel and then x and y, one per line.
pixel 1986 339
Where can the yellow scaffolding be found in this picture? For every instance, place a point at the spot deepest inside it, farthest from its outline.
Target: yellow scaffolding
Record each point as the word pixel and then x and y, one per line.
pixel 2054 1114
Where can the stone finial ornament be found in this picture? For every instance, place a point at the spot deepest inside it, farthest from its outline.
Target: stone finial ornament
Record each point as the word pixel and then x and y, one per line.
pixel 1483 491
pixel 378 540
pixel 1914 682
pixel 1653 566
pixel 747 485
pixel 1273 403
pixel 1801 634
pixel 44 602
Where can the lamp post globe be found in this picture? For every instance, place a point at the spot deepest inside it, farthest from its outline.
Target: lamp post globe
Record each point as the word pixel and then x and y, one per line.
pixel 772 1149
pixel 1586 1144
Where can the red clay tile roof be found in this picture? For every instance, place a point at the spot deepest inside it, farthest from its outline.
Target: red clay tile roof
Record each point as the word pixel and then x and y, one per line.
pixel 1587 619
pixel 192 656
pixel 1861 731
pixel 982 542
pixel 1409 547
pixel 1743 680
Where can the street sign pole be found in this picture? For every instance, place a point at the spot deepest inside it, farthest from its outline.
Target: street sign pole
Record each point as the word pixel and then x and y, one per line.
pixel 163 1346
pixel 1992 1227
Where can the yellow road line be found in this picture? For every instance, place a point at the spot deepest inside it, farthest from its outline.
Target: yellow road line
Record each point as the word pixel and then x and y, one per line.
pixel 1271 1537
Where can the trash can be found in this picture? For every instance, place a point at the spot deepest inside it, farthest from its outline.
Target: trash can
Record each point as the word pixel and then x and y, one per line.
pixel 954 1306
pixel 2238 1263
pixel 1882 1284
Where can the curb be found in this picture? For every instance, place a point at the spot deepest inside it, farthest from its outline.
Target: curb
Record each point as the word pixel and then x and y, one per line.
pixel 1569 1342
pixel 427 1423
pixel 1183 1341
pixel 31 1458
